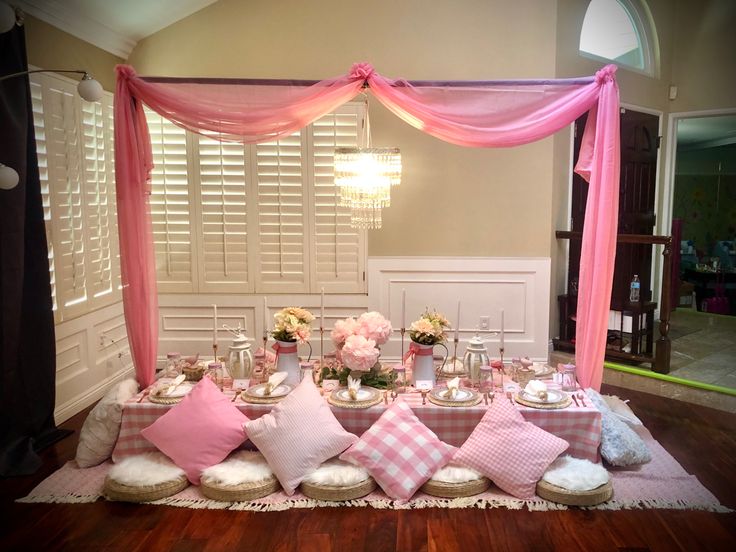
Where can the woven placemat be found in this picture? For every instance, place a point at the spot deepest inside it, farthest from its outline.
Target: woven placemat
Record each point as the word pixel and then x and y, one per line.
pixel 158 399
pixel 440 402
pixel 334 493
pixel 260 400
pixel 575 498
pixel 354 404
pixel 114 490
pixel 444 489
pixel 238 493
pixel 564 403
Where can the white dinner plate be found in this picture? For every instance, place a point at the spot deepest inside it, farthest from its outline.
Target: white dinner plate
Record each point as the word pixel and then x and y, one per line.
pixel 259 391
pixel 553 396
pixel 364 394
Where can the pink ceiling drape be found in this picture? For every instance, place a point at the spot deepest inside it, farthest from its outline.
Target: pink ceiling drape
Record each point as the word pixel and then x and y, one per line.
pixel 475 114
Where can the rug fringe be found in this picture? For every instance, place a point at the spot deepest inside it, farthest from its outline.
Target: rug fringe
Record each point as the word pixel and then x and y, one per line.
pixel 59 499
pixel 659 504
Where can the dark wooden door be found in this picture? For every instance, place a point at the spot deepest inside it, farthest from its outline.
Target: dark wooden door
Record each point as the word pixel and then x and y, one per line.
pixel 639 147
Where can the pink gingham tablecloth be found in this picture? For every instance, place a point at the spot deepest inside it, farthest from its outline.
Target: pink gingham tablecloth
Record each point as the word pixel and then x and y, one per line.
pixel 578 425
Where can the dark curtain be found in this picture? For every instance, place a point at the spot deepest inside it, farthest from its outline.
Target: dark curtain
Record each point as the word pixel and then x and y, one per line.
pixel 27 343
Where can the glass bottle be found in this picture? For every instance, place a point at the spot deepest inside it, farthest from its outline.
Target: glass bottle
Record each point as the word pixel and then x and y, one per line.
pixel 173 361
pixel 634 293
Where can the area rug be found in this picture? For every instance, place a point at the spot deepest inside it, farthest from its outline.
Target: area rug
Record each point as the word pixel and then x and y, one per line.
pixel 662 483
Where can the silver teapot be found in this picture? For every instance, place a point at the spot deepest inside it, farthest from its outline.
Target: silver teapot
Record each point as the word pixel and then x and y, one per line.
pixel 476 356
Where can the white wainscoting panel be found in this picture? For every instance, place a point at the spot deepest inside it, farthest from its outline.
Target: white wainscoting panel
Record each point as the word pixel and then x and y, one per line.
pixel 92 354
pixel 186 321
pixel 484 286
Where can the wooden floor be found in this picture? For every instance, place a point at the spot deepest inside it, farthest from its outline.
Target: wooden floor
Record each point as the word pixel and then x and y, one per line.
pixel 701 439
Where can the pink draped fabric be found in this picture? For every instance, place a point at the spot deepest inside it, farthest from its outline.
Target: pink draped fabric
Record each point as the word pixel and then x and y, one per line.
pixel 478 114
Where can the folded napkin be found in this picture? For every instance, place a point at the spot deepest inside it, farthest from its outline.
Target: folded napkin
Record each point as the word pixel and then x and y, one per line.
pixel 274 380
pixel 537 388
pixel 165 388
pixel 353 387
pixel 452 387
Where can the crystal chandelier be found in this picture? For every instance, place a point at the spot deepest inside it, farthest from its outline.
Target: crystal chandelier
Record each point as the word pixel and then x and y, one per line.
pixel 364 177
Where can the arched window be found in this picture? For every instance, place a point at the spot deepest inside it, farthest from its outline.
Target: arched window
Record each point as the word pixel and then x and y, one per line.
pixel 621 31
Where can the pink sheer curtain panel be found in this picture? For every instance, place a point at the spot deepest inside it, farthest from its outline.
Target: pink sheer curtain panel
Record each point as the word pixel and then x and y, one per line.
pixel 479 114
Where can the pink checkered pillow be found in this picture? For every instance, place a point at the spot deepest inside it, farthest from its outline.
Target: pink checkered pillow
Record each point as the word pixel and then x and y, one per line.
pixel 298 435
pixel 200 431
pixel 399 451
pixel 512 452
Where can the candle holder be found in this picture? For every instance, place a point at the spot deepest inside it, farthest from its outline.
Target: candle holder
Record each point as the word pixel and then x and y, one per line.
pixel 214 351
pixel 501 350
pixel 454 352
pixel 321 346
pixel 403 331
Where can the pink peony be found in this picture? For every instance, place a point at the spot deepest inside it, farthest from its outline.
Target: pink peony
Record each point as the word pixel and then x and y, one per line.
pixel 374 326
pixel 359 353
pixel 344 329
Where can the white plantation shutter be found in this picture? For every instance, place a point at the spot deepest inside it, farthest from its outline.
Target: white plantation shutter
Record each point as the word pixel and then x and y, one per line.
pixel 338 251
pixel 223 201
pixel 75 150
pixel 39 128
pixel 99 189
pixel 282 217
pixel 66 165
pixel 170 200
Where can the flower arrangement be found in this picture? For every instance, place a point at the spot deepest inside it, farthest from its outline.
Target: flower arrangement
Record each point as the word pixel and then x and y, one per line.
pixel 429 329
pixel 359 353
pixel 370 325
pixel 292 324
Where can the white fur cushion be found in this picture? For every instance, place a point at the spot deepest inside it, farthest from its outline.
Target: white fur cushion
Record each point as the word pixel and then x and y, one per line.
pixel 337 473
pixel 620 445
pixel 621 410
pixel 452 473
pixel 245 466
pixel 576 474
pixel 102 426
pixel 145 470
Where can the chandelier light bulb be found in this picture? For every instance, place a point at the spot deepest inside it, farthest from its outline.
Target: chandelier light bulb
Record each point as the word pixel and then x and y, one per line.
pixel 89 89
pixel 8 177
pixel 7 17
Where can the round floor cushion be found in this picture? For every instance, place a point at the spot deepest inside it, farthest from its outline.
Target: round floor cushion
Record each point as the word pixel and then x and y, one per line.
pixel 242 476
pixel 591 497
pixel 144 478
pixel 454 481
pixel 336 480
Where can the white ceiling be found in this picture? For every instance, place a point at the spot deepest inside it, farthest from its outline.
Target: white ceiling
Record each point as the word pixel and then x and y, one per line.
pixel 706 132
pixel 113 25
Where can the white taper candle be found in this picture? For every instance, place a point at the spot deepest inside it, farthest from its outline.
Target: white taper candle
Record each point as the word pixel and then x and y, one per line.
pixel 322 309
pixel 403 308
pixel 214 327
pixel 502 336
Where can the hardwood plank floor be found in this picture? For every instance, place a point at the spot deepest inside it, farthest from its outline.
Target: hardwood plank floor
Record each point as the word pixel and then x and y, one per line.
pixel 703 440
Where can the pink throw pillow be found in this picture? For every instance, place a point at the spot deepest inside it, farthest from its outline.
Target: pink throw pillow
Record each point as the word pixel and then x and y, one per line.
pixel 298 435
pixel 510 451
pixel 200 431
pixel 399 451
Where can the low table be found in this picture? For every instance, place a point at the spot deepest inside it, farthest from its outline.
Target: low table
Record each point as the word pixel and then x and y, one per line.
pixel 580 426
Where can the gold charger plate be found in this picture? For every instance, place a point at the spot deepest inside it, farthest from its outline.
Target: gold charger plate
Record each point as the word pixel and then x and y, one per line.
pixel 465 397
pixel 255 394
pixel 563 402
pixel 367 397
pixel 181 391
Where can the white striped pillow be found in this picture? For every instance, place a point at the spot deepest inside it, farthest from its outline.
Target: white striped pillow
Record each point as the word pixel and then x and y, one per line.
pixel 298 435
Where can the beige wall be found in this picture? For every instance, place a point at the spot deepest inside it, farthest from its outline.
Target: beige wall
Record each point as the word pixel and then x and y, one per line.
pixel 704 60
pixel 452 200
pixel 51 48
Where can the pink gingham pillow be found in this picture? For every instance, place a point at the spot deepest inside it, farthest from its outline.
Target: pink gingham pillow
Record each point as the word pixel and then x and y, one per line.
pixel 200 431
pixel 399 451
pixel 512 452
pixel 298 435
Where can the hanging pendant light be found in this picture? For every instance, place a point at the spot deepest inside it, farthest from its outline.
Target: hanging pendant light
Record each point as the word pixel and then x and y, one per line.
pixel 364 177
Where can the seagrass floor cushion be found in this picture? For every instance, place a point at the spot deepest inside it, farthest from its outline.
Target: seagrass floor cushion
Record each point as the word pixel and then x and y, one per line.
pixel 453 481
pixel 575 482
pixel 336 480
pixel 244 475
pixel 144 478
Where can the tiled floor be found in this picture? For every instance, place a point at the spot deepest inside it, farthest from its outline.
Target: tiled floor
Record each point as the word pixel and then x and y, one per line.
pixel 703 350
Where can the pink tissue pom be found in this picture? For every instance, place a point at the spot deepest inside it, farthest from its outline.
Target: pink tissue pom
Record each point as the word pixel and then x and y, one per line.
pixel 344 329
pixel 374 326
pixel 359 353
